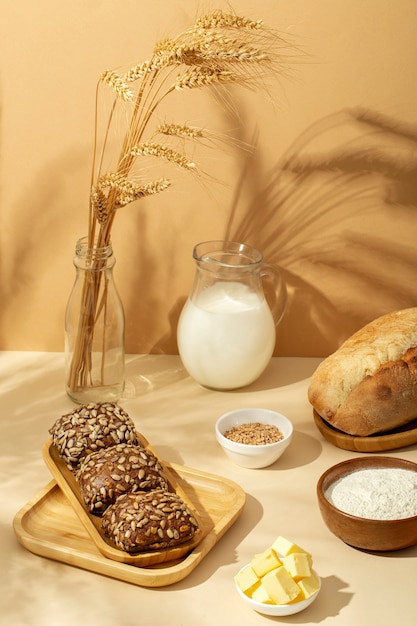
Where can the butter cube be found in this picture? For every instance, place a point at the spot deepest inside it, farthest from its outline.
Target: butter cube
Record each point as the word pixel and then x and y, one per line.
pixel 265 562
pixel 298 565
pixel 280 586
pixel 309 585
pixel 247 580
pixel 261 595
pixel 284 547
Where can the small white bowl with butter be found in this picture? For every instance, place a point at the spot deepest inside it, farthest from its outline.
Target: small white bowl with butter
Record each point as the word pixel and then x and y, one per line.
pixel 279 581
pixel 253 437
pixel 277 610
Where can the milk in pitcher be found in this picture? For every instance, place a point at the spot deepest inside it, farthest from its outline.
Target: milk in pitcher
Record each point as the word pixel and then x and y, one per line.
pixel 226 335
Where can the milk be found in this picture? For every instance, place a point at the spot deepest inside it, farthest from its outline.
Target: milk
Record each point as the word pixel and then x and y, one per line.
pixel 226 336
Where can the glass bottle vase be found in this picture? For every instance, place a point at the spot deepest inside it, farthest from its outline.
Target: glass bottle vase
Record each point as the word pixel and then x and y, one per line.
pixel 94 328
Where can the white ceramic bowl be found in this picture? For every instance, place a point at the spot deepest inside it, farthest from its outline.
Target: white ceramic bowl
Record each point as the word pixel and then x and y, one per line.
pixel 277 610
pixel 248 455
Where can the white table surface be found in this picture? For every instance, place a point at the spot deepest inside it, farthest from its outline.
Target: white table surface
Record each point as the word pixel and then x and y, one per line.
pixel 177 416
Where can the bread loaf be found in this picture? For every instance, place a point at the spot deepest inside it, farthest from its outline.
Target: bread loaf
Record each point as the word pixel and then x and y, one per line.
pixel 91 427
pixel 153 520
pixel 369 385
pixel 106 474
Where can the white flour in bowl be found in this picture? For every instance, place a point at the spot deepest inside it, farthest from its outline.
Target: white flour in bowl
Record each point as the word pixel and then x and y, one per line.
pixel 378 493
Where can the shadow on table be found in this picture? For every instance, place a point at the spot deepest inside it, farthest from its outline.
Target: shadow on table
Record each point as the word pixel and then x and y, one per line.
pixel 331 601
pixel 144 374
pixel 405 553
pixel 302 450
pixel 224 553
pixel 280 373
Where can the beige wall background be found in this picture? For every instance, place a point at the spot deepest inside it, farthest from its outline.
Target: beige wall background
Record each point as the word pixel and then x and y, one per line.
pixel 329 194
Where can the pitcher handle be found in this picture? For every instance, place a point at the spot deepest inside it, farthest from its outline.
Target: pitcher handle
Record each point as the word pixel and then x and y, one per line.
pixel 279 303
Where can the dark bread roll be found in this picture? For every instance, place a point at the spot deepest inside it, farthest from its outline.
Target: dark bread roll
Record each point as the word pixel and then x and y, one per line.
pixel 151 521
pixel 369 385
pixel 89 428
pixel 111 472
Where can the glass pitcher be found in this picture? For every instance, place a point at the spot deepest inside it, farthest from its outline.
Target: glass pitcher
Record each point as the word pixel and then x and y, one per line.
pixel 226 331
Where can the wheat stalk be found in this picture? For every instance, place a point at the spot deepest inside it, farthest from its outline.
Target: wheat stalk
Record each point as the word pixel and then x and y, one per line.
pixel 179 130
pixel 219 18
pixel 117 83
pixel 220 48
pixel 167 153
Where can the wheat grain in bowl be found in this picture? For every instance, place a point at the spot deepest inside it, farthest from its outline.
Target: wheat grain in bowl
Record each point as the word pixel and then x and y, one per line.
pixel 253 437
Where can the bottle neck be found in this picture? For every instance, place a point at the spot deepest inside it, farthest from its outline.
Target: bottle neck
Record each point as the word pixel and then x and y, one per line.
pixel 94 258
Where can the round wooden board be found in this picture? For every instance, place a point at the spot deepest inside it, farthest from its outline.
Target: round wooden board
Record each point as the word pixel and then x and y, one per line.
pixel 404 436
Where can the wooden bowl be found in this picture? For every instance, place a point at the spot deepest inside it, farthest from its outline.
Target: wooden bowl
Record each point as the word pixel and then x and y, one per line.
pixel 374 535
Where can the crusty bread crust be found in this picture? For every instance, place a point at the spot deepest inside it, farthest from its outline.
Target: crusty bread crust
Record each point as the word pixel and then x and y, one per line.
pixel 369 385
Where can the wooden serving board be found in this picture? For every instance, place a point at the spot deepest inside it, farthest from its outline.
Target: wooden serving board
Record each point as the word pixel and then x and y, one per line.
pixel 67 482
pixel 392 440
pixel 49 526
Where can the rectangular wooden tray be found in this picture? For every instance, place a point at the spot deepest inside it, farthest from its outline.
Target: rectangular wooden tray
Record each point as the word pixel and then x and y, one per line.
pixel 92 523
pixel 48 526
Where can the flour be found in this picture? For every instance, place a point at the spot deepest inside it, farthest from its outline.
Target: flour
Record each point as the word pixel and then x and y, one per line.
pixel 378 493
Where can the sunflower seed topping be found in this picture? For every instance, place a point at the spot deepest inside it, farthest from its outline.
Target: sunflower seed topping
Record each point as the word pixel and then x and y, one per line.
pixel 90 427
pixel 153 527
pixel 106 474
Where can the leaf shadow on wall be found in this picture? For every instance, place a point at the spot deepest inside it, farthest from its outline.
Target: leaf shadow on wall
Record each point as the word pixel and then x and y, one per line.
pixel 338 215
